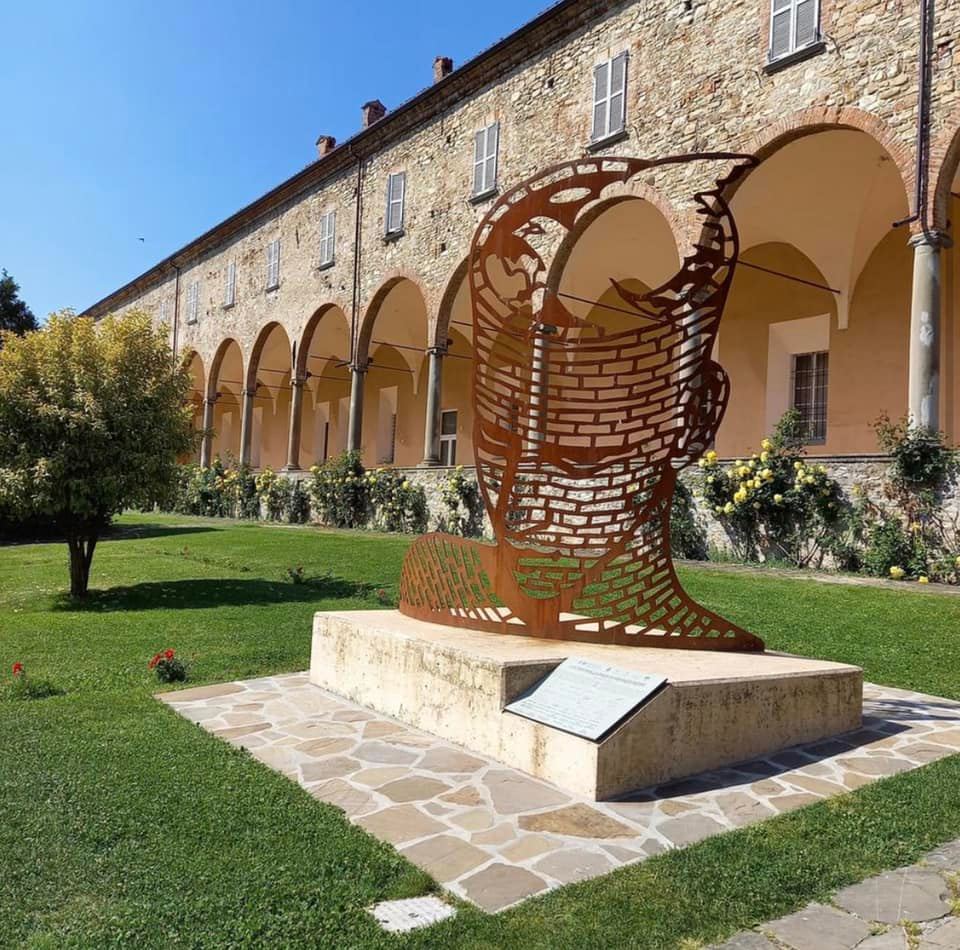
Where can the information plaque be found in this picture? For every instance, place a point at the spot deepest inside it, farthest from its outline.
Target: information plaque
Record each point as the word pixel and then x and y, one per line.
pixel 585 698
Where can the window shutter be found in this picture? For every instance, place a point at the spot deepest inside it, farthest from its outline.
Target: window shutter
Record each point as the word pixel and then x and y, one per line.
pixel 396 186
pixel 806 23
pixel 273 264
pixel 618 94
pixel 601 88
pixel 230 292
pixel 327 230
pixel 479 158
pixel 493 148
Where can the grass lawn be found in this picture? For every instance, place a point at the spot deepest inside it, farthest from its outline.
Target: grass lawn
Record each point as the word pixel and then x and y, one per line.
pixel 122 824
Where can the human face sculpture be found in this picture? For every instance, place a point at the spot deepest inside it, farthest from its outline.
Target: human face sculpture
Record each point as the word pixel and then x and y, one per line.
pixel 579 429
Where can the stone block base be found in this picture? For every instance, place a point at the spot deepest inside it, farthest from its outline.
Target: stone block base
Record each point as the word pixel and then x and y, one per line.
pixel 717 708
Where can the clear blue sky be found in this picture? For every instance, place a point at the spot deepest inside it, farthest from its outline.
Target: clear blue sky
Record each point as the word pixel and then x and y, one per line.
pixel 132 119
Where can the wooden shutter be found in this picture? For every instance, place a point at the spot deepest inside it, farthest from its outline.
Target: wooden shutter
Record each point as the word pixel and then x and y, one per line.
pixel 781 28
pixel 273 264
pixel 327 231
pixel 230 292
pixel 490 160
pixel 396 186
pixel 806 25
pixel 601 99
pixel 479 155
pixel 616 112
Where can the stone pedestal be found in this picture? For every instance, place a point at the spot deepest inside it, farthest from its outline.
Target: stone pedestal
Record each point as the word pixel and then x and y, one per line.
pixel 717 708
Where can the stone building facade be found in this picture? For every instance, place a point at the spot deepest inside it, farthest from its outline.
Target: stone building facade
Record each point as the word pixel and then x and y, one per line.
pixel 846 300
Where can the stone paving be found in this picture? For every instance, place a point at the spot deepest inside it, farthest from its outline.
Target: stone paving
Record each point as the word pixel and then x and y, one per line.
pixel 912 908
pixel 496 836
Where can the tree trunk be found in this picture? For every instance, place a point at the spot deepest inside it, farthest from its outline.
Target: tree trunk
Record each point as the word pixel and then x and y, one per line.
pixel 81 557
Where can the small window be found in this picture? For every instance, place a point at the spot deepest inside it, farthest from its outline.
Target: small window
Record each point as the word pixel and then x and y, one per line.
pixel 230 288
pixel 162 312
pixel 193 301
pixel 794 25
pixel 273 264
pixel 396 192
pixel 809 387
pixel 328 230
pixel 448 437
pixel 609 97
pixel 485 146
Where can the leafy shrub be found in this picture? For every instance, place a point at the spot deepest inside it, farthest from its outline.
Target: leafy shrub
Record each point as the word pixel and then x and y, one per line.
pixel 297 503
pixel 775 505
pixel 339 491
pixel 464 507
pixel 273 492
pixel 296 575
pixel 398 505
pixel 922 463
pixel 688 538
pixel 168 667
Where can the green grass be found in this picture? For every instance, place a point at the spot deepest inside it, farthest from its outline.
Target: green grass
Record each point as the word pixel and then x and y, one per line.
pixel 122 824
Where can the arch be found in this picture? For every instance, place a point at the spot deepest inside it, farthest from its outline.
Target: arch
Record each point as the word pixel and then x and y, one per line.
pixel 224 386
pixel 945 168
pixel 193 363
pixel 452 295
pixel 832 192
pixel 773 137
pixel 392 349
pixel 269 380
pixel 322 364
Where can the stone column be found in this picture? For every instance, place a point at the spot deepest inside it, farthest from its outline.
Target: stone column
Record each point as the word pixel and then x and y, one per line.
pixel 355 427
pixel 206 440
pixel 246 424
pixel 924 379
pixel 296 420
pixel 431 432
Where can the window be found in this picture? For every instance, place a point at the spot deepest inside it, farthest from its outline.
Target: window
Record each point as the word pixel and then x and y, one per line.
pixel 809 386
pixel 273 264
pixel 193 301
pixel 230 289
pixel 328 230
pixel 448 437
pixel 485 145
pixel 396 192
pixel 609 97
pixel 162 312
pixel 794 25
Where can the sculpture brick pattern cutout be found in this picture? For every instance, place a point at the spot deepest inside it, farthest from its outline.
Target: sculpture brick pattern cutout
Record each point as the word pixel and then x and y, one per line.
pixel 580 430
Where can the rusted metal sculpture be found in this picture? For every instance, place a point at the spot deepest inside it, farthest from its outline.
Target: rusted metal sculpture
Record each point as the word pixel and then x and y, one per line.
pixel 580 431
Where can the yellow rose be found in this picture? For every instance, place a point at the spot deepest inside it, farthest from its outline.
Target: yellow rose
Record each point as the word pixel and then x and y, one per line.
pixel 808 480
pixel 728 508
pixel 740 496
pixel 897 573
pixel 764 456
pixel 798 465
pixel 766 474
pixel 922 579
pixel 957 561
pixel 766 445
pixel 778 499
pixel 711 456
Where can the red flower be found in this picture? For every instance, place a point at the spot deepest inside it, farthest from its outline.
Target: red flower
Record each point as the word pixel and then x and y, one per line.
pixel 152 664
pixel 18 669
pixel 169 655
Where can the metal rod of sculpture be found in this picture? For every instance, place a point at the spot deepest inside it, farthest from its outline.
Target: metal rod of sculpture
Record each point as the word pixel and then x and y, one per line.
pixel 580 431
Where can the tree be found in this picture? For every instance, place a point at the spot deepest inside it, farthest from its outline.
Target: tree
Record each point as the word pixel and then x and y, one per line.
pixel 92 419
pixel 15 315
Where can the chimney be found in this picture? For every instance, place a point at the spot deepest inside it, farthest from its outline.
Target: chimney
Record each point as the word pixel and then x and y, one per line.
pixel 442 67
pixel 325 145
pixel 373 111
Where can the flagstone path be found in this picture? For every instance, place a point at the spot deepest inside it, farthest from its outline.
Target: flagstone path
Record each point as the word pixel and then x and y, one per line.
pixel 496 836
pixel 912 908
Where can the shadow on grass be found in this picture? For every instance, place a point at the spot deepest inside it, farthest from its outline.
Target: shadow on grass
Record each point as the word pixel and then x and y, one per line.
pixel 128 532
pixel 208 593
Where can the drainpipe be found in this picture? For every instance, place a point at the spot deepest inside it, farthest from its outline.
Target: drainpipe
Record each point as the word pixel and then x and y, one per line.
pixel 176 311
pixel 357 372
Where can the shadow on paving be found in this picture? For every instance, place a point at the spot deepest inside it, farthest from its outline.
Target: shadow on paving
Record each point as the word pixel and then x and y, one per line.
pixel 207 593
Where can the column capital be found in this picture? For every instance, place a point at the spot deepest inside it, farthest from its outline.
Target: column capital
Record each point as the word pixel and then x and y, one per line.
pixel 933 238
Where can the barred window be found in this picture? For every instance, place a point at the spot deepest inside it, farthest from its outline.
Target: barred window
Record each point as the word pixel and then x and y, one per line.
pixel 809 388
pixel 448 437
